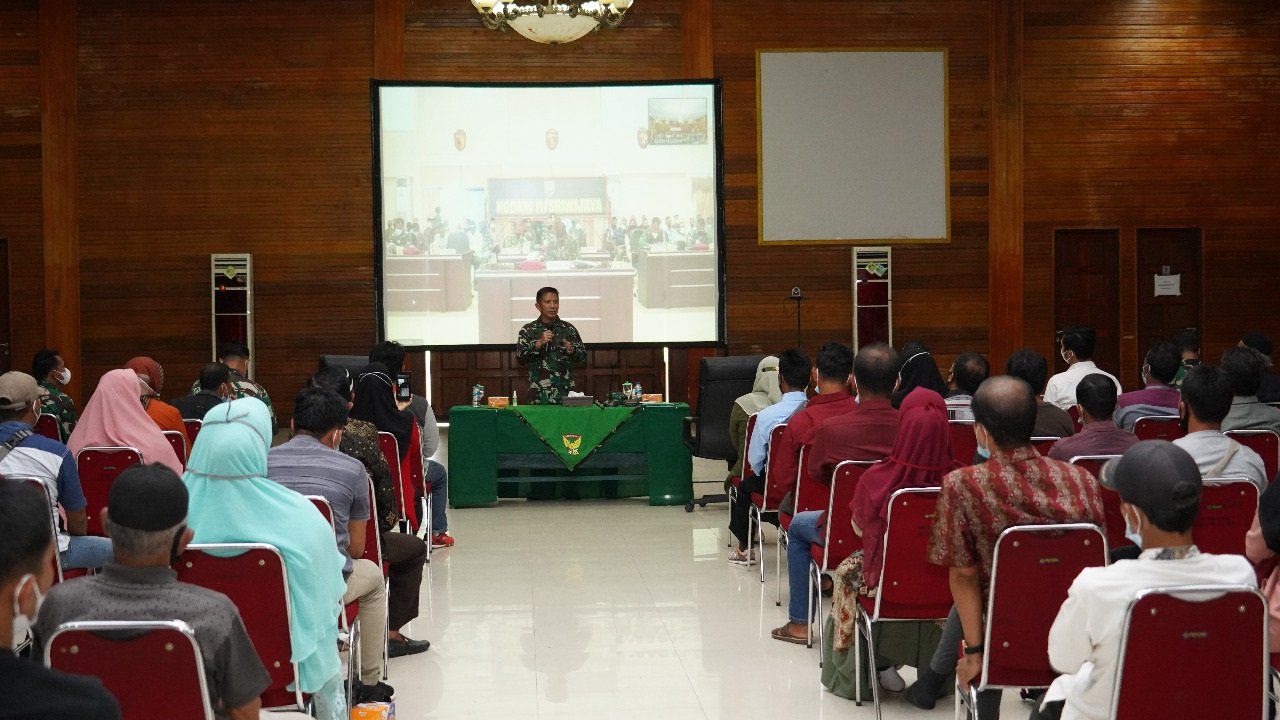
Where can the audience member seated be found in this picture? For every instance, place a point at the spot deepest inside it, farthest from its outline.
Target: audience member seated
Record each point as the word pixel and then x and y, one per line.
pixel 48 368
pixel 151 379
pixel 764 393
pixel 793 376
pixel 1017 486
pixel 27 454
pixel 1075 344
pixel 1157 396
pixel 404 553
pixel 967 373
pixel 1206 399
pixel 1159 487
pixel 391 354
pixel 1031 366
pixel 830 377
pixel 146 518
pixel 236 357
pixel 866 433
pixel 1187 343
pixel 231 500
pixel 918 369
pixel 215 388
pixel 114 417
pixel 1269 391
pixel 1262 547
pixel 1246 367
pixel 31 690
pixel 921 455
pixel 1096 395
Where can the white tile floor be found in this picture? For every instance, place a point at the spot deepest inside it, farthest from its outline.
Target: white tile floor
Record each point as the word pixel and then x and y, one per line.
pixel 609 609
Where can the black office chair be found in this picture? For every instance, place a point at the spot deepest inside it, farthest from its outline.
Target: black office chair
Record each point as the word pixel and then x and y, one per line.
pixel 721 381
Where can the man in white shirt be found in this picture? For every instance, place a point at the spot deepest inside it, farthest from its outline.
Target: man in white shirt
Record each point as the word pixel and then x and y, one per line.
pixel 1206 399
pixel 1159 487
pixel 1075 345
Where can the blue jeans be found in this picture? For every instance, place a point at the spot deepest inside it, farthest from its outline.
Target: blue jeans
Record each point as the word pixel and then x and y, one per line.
pixel 804 534
pixel 87 551
pixel 438 477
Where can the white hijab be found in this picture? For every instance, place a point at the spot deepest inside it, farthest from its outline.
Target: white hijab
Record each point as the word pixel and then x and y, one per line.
pixel 765 392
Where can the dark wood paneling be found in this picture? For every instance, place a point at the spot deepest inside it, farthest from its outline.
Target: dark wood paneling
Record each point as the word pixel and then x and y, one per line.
pixel 1005 258
pixel 1160 317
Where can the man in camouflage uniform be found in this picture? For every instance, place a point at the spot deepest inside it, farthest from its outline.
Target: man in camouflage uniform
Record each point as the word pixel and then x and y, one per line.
pixel 236 357
pixel 550 347
pixel 49 370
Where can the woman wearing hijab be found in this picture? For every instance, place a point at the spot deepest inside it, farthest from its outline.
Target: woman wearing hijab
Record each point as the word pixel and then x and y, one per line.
pixel 114 417
pixel 764 393
pixel 231 500
pixel 375 402
pixel 921 456
pixel 918 369
pixel 151 375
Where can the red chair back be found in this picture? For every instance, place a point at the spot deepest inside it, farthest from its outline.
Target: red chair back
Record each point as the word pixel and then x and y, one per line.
pixel 1227 509
pixel 1033 567
pixel 1074 412
pixel 47 425
pixel 1159 427
pixel 322 504
pixel 810 494
pixel 179 445
pixel 910 587
pixel 760 500
pixel 746 443
pixel 1110 499
pixel 1264 442
pixel 98 468
pixel 123 653
pixel 373 538
pixel 964 444
pixel 1044 444
pixel 840 541
pixel 391 451
pixel 257 582
pixel 1212 631
pixel 193 428
pixel 53 523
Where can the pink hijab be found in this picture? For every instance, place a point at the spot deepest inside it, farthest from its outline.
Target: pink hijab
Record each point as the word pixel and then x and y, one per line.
pixel 921 456
pixel 114 417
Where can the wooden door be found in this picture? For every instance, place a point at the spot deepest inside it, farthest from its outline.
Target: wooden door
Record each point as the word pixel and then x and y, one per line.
pixel 1167 252
pixel 1086 290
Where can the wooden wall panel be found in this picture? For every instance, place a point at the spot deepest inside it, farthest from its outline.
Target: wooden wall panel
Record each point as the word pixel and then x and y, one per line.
pixel 20 176
pixel 227 127
pixel 1157 115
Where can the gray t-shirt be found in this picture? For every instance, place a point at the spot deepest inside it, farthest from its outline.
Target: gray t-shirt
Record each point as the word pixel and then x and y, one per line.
pixel 235 673
pixel 306 466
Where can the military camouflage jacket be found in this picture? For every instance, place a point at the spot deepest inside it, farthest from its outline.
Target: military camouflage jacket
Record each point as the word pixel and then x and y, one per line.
pixel 551 366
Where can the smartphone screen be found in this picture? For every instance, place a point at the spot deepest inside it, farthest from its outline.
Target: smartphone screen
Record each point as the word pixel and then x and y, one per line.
pixel 402 386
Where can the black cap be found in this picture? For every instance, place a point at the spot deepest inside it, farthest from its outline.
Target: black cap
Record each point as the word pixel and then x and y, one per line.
pixel 1155 475
pixel 148 498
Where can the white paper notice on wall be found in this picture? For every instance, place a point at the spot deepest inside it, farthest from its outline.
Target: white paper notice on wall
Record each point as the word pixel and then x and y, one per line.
pixel 1168 285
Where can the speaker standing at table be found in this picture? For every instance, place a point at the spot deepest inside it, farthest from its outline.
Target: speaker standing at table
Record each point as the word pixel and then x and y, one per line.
pixel 550 347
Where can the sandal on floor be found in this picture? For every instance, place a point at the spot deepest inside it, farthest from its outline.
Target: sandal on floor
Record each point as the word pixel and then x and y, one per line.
pixel 784 634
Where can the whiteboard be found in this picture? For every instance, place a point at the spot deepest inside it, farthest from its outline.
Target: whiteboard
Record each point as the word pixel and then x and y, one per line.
pixel 853 146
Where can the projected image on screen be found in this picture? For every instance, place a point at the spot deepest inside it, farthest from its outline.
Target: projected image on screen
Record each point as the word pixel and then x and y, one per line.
pixel 606 192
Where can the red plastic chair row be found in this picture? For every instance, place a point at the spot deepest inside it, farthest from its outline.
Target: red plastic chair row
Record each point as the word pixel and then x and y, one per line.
pixel 1264 442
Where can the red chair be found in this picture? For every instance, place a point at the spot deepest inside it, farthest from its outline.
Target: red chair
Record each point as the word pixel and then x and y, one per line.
pixel 760 510
pixel 53 522
pixel 1264 442
pixel 1044 444
pixel 838 539
pixel 348 618
pixel 153 668
pixel 193 428
pixel 1227 509
pixel 964 444
pixel 910 589
pixel 736 480
pixel 179 445
pixel 1032 569
pixel 391 451
pixel 47 425
pixel 1158 427
pixel 1074 412
pixel 1212 631
pixel 1110 499
pixel 98 468
pixel 807 497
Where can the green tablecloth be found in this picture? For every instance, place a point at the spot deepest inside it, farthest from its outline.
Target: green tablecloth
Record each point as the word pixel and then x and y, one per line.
pixel 643 456
pixel 573 433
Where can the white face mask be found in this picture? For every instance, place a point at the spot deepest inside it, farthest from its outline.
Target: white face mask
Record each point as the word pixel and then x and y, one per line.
pixel 22 623
pixel 65 376
pixel 1134 535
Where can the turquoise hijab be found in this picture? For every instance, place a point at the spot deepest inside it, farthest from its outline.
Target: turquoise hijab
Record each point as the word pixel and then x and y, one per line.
pixel 233 501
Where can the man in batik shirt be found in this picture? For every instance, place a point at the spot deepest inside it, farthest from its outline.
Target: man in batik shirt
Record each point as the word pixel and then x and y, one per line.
pixel 550 347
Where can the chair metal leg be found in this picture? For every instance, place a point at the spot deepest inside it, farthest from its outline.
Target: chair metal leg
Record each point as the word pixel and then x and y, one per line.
pixel 815 596
pixel 808 625
pixel 760 542
pixel 858 620
pixel 871 668
pixel 783 540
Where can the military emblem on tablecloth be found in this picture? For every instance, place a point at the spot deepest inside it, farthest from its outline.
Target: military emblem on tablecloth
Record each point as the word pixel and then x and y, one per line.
pixel 572 443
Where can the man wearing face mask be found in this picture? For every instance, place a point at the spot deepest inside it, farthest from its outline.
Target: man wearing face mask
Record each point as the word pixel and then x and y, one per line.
pixel 146 517
pixel 215 388
pixel 1159 487
pixel 1157 396
pixel 1075 346
pixel 1206 400
pixel 50 371
pixel 31 690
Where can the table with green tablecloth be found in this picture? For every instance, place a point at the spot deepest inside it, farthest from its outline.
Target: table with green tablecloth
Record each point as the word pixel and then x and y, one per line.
pixel 546 451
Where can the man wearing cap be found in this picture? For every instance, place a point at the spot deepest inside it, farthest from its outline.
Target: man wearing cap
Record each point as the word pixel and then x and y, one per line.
pixel 146 517
pixel 1159 487
pixel 1269 391
pixel 25 454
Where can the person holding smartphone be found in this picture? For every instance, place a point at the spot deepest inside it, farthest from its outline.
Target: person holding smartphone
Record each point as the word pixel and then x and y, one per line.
pixel 550 347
